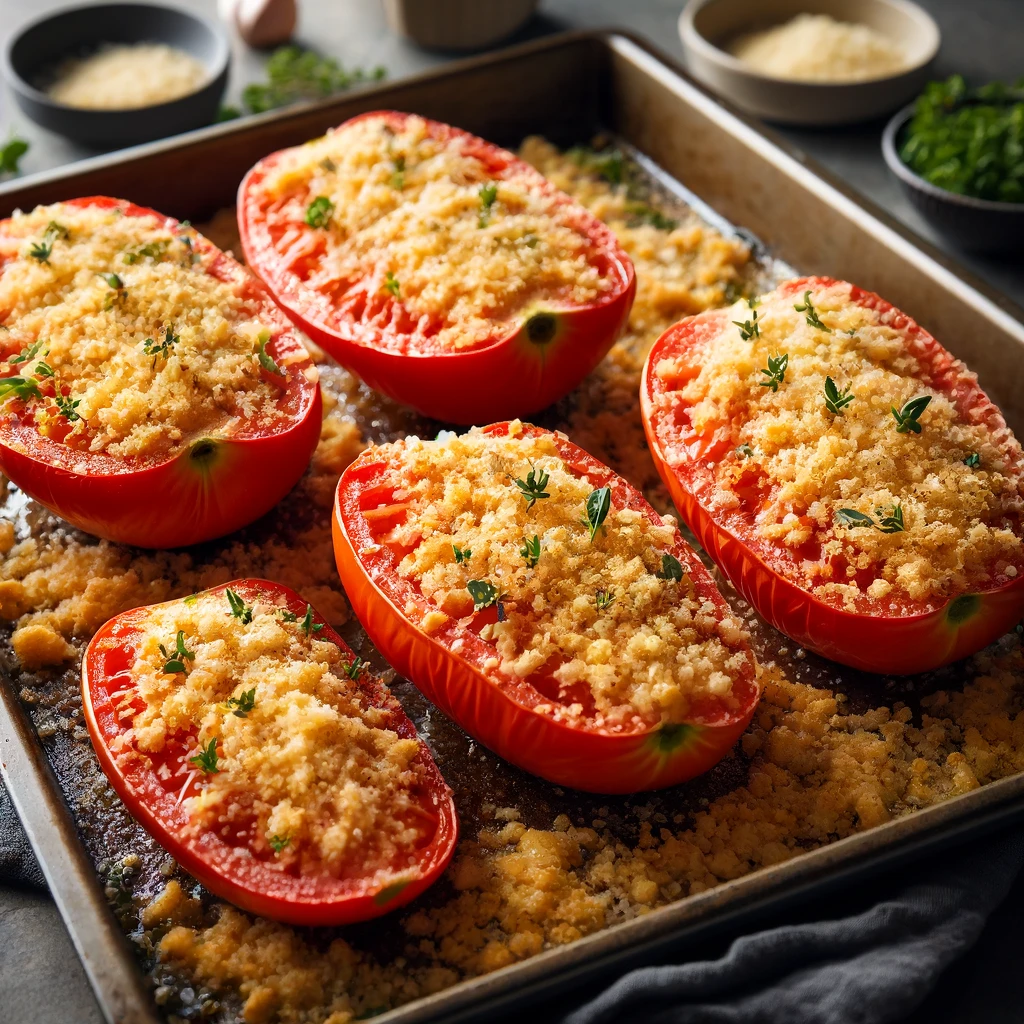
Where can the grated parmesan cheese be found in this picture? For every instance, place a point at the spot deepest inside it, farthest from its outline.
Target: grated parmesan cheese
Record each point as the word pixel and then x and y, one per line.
pixel 817 48
pixel 802 464
pixel 127 77
pixel 409 206
pixel 312 765
pixel 99 338
pixel 653 649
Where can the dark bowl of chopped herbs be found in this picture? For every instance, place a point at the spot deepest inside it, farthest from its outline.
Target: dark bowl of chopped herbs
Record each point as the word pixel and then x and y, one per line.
pixel 959 156
pixel 34 54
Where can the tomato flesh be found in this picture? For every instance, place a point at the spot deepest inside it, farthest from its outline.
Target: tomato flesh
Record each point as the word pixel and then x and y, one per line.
pixel 214 485
pixel 225 859
pixel 504 712
pixel 546 350
pixel 886 637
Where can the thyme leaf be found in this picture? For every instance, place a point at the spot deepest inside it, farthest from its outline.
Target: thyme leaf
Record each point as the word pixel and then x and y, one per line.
pixel 807 306
pixel 531 551
pixel 239 609
pixel 241 705
pixel 532 488
pixel 907 417
pixel 319 212
pixel 671 568
pixel 484 594
pixel 836 400
pixel 488 196
pixel 175 660
pixel 206 759
pixel 776 372
pixel 598 505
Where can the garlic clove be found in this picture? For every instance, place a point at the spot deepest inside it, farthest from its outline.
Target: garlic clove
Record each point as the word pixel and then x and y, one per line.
pixel 261 22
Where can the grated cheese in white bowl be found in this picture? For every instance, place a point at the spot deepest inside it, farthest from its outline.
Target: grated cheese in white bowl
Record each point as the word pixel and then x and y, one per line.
pixel 817 48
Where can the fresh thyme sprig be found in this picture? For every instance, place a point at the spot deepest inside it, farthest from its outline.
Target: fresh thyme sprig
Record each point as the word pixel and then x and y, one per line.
pixel 241 705
pixel 889 521
pixel 532 488
pixel 239 609
pixel 603 600
pixel 278 843
pixel 892 521
pixel 776 372
pixel 67 406
pixel 836 400
pixel 488 196
pixel 530 551
pixel 391 285
pixel 156 349
pixel 319 212
pixel 907 418
pixel 206 759
pixel 749 328
pixel 355 668
pixel 398 173
pixel 807 306
pixel 461 554
pixel 175 660
pixel 36 349
pixel 23 388
pixel 744 451
pixel 307 625
pixel 597 507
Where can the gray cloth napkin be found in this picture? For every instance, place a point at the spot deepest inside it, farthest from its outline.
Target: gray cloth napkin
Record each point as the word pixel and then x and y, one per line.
pixel 872 966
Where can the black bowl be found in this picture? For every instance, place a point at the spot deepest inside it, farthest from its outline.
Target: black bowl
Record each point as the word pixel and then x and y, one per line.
pixel 75 31
pixel 978 225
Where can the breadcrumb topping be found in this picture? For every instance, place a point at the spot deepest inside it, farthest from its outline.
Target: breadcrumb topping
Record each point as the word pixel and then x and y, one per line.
pixel 146 348
pixel 936 511
pixel 586 611
pixel 405 208
pixel 305 768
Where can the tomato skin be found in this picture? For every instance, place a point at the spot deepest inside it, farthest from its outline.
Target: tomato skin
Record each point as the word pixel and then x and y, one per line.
pixel 231 872
pixel 881 641
pixel 508 376
pixel 501 712
pixel 202 492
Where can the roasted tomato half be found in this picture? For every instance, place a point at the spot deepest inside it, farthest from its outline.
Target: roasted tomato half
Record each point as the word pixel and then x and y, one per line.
pixel 443 270
pixel 538 600
pixel 245 736
pixel 151 392
pixel 847 474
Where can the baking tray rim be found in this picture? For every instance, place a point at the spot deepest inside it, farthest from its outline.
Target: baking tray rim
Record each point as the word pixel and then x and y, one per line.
pixel 765 887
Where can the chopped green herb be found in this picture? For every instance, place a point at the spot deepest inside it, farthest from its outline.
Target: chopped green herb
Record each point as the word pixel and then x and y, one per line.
pixel 23 388
pixel 295 74
pixel 488 196
pixel 749 328
pixel 288 616
pixel 66 406
pixel 11 153
pixel 161 348
pixel 355 668
pixel 530 551
pixel 807 306
pixel 265 358
pixel 776 372
pixel 190 600
pixel 907 417
pixel 671 568
pixel 278 843
pixel 461 555
pixel 319 212
pixel 151 250
pixel 597 507
pixel 239 609
pixel 604 599
pixel 391 284
pixel 836 400
pixel 532 488
pixel 31 352
pixel 851 518
pixel 206 759
pixel 308 626
pixel 969 141
pixel 973 460
pixel 175 660
pixel 226 112
pixel 398 174
pixel 41 250
pixel 241 705
pixel 43 369
pixel 892 522
pixel 113 280
pixel 484 594
pixel 744 451
pixel 641 213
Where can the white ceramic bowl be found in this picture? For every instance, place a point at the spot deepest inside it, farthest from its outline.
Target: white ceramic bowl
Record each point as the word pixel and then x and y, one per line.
pixel 706 26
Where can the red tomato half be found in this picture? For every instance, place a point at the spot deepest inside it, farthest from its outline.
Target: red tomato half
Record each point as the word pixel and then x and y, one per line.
pixel 541 356
pixel 888 638
pixel 217 483
pixel 152 788
pixel 500 710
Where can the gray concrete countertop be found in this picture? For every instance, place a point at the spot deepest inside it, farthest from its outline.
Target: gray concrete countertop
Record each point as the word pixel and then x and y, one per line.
pixel 41 981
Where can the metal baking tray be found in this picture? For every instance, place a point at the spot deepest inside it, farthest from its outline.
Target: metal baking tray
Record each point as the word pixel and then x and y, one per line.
pixel 565 88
